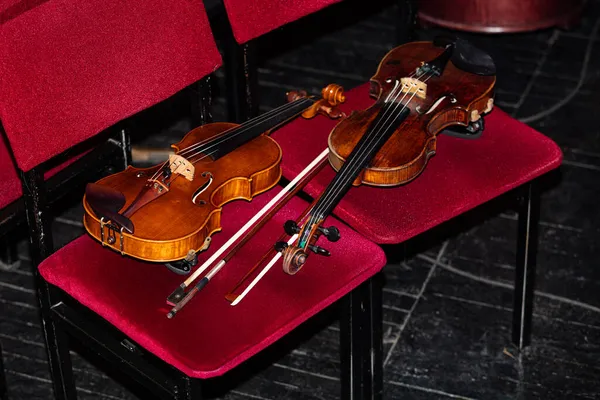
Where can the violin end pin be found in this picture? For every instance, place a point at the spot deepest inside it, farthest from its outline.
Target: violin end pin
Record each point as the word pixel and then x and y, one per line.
pixel 171 314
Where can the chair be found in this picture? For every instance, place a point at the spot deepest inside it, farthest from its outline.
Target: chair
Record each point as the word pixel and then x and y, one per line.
pixel 66 79
pixel 239 24
pixel 86 291
pixel 461 176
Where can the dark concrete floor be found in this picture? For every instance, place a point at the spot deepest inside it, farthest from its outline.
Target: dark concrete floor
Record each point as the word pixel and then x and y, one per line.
pixel 448 308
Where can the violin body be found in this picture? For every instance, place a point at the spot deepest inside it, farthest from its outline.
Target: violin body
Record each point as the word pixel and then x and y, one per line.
pixel 460 98
pixel 167 228
pixel 421 88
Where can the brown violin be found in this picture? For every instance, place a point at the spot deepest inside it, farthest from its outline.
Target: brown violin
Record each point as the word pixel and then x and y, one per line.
pixel 169 212
pixel 421 89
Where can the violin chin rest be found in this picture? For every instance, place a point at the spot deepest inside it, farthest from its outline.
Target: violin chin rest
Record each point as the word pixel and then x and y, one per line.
pixel 467 57
pixel 106 203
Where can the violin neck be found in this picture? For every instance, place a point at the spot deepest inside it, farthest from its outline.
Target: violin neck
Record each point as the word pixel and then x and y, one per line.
pixel 255 127
pixel 387 121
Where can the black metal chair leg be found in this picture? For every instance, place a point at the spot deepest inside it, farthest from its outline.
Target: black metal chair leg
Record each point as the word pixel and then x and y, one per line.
pixel 3 385
pixel 189 389
pixel 241 80
pixel 361 341
pixel 40 237
pixel 527 238
pixel 407 20
pixel 201 101
pixel 125 147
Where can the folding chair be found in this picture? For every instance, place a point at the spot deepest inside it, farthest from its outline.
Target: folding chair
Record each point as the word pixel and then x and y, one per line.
pixel 462 175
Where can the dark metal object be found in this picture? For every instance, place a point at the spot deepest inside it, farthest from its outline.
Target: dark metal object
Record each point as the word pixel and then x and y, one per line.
pixel 201 101
pixel 40 237
pixel 361 340
pixel 472 131
pixel 183 267
pixel 527 240
pixel 240 73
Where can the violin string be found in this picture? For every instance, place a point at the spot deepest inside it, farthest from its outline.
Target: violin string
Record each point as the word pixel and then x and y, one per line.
pixel 387 114
pixel 250 124
pixel 356 167
pixel 246 126
pixel 325 203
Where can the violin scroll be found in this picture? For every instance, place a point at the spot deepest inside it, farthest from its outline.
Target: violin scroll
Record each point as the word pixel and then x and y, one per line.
pixel 333 95
pixel 295 256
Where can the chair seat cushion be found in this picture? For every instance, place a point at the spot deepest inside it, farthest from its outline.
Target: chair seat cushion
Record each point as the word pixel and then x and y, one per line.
pixel 209 336
pixel 251 19
pixel 460 176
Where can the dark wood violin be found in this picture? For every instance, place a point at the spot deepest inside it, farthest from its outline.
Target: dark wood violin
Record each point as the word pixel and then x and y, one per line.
pixel 169 212
pixel 421 89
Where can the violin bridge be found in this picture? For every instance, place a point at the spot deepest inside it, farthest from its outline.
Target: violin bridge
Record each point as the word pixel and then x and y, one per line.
pixel 180 165
pixel 414 86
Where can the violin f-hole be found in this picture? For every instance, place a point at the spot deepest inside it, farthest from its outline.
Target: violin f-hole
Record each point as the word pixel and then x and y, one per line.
pixel 202 188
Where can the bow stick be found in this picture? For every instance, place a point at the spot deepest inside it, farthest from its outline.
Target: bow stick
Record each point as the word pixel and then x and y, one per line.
pixel 231 296
pixel 179 297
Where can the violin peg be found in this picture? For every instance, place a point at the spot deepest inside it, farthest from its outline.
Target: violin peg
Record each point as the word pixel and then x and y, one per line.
pixel 333 94
pixel 295 95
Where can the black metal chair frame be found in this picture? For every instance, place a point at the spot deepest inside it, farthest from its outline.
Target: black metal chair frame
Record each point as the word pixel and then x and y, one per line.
pixel 114 153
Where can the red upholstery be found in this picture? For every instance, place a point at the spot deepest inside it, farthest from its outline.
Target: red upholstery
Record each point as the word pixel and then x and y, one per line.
pixel 250 18
pixel 209 337
pixel 10 183
pixel 462 175
pixel 70 69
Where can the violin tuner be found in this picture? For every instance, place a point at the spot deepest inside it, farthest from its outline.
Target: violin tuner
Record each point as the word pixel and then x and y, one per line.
pixel 291 227
pixel 319 250
pixel 332 233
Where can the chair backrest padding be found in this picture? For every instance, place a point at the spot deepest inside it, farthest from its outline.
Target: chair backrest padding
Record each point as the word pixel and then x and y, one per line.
pixel 70 69
pixel 250 18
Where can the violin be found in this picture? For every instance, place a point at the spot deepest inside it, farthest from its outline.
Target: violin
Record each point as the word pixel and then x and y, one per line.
pixel 168 212
pixel 421 88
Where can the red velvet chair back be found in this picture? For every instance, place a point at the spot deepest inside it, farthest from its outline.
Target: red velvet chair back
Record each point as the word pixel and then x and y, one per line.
pixel 71 69
pixel 251 18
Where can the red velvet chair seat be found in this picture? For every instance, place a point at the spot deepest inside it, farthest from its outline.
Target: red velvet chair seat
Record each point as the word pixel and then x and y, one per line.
pixel 462 175
pixel 209 337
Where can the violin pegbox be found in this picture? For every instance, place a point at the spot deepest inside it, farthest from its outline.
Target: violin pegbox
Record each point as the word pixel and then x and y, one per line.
pixel 333 95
